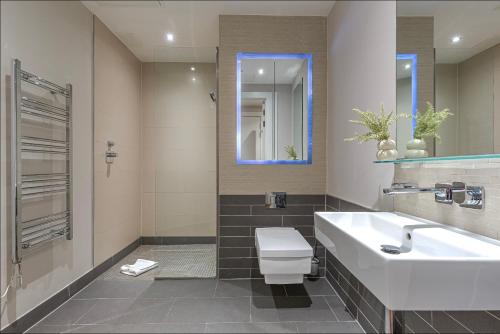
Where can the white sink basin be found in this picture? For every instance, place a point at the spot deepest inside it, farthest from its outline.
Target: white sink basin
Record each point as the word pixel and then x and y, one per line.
pixel 440 268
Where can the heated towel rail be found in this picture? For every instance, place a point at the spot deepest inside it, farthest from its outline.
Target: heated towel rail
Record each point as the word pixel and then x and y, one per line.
pixel 30 233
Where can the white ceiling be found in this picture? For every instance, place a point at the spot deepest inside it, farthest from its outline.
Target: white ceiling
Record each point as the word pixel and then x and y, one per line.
pixel 142 25
pixel 478 22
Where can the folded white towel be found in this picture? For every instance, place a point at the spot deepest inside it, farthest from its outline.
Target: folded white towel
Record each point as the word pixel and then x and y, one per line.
pixel 139 267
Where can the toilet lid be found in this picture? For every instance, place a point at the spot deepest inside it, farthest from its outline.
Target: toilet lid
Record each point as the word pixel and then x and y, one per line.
pixel 281 242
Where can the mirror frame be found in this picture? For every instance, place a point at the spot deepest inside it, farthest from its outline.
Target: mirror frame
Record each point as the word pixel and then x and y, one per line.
pixel 275 56
pixel 414 82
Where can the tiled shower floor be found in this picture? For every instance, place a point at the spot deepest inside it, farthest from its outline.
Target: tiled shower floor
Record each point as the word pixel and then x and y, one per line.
pixel 174 261
pixel 120 304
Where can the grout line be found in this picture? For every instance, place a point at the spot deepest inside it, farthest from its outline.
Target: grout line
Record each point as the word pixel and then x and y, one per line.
pixel 493 315
pixel 452 317
pixel 216 287
pixel 418 315
pixel 330 307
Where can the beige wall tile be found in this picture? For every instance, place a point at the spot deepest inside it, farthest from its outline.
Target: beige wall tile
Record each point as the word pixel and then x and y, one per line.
pixel 481 173
pixel 179 149
pixel 148 220
pixel 293 35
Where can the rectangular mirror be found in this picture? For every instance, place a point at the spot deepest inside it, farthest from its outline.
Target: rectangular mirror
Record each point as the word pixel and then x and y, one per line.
pixel 456 45
pixel 274 108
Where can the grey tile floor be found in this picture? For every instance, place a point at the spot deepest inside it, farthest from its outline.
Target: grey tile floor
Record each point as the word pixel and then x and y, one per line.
pixel 201 306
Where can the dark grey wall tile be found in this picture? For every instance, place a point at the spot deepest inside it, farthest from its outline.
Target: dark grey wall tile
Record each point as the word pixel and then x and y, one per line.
pixel 234 210
pixel 377 322
pixel 306 231
pixel 477 321
pixel 253 252
pixel 415 323
pixel 151 240
pixel 366 325
pixel 234 252
pixel 332 202
pixel 289 210
pixel 330 209
pixel 241 199
pixel 234 273
pixel 346 206
pixel 239 231
pixel 305 199
pixel 255 273
pixel 237 263
pixel 188 240
pixel 236 241
pixel 319 208
pixel 443 323
pixel 250 221
pixel 298 221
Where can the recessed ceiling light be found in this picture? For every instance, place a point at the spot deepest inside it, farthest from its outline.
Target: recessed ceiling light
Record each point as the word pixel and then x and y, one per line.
pixel 407 66
pixel 169 36
pixel 456 39
pixel 194 79
pixel 261 71
pixel 193 68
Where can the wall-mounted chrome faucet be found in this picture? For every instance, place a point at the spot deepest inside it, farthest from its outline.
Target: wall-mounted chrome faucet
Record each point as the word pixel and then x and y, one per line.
pixel 110 154
pixel 465 196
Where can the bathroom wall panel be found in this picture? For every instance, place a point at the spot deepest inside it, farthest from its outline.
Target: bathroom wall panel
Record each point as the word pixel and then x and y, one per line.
pixel 289 35
pixel 361 73
pixel 473 172
pixel 179 150
pixel 117 117
pixel 240 215
pixel 54 40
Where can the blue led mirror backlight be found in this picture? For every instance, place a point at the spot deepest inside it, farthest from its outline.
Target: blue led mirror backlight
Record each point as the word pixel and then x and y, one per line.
pixel 273 67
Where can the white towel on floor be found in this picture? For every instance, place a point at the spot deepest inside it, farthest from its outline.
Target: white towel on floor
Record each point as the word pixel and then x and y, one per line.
pixel 140 266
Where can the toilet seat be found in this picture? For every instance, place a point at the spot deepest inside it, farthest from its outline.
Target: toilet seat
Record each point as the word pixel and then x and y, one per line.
pixel 284 255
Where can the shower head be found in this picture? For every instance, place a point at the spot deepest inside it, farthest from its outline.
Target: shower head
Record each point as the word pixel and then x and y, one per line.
pixel 213 96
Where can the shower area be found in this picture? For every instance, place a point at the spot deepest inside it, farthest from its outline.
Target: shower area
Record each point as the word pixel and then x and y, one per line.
pixel 179 180
pixel 177 168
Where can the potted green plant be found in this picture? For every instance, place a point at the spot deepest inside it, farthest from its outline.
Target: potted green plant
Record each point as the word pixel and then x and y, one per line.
pixel 378 129
pixel 427 126
pixel 292 153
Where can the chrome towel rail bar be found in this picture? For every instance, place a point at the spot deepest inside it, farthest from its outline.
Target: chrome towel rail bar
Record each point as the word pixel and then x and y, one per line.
pixel 38 231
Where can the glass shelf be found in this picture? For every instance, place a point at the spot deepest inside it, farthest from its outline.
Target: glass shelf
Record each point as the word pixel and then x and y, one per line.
pixel 435 159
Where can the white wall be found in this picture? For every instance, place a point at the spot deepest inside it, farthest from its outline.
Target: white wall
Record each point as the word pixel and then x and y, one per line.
pixel 361 73
pixel 53 40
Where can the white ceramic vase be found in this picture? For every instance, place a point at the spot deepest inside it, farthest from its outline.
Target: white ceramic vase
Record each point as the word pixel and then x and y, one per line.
pixel 416 148
pixel 387 150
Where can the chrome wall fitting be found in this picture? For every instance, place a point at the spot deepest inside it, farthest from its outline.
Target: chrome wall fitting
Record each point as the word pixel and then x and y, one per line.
pixel 471 197
pixel 474 198
pixel 110 154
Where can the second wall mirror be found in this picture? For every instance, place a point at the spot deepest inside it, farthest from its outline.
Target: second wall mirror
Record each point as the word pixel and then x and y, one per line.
pixel 455 47
pixel 274 108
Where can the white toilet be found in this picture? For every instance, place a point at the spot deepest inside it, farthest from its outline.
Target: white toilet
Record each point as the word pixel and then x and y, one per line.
pixel 284 255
